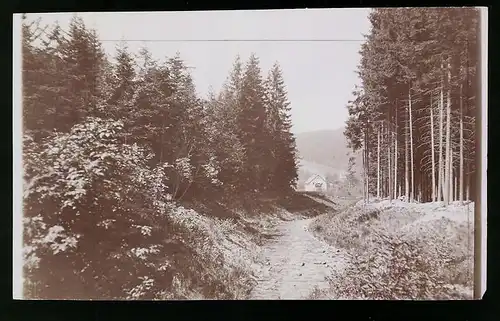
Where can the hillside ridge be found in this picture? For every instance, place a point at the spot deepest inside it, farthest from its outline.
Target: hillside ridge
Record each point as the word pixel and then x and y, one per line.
pixel 324 152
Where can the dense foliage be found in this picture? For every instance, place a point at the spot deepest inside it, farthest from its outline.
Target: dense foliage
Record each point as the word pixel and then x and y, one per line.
pixel 414 113
pixel 112 150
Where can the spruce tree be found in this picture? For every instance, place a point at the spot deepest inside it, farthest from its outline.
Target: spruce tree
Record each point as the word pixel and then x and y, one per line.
pixel 222 113
pixel 122 83
pixel 80 58
pixel 282 166
pixel 251 123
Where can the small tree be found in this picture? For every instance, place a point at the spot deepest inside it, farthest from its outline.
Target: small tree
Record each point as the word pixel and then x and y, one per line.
pixel 351 177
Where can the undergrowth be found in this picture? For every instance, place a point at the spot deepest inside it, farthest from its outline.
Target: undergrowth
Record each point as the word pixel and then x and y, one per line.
pixel 99 223
pixel 393 255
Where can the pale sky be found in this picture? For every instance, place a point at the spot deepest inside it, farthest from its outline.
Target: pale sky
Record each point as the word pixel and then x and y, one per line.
pixel 319 76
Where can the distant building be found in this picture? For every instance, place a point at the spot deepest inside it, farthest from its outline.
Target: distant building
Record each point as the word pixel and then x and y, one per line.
pixel 316 183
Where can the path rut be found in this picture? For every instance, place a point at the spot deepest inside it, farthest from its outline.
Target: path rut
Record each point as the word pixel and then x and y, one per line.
pixel 297 263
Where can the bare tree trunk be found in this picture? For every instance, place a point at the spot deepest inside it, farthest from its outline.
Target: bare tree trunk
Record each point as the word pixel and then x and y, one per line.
pixel 389 168
pixel 378 162
pixel 395 166
pixel 432 156
pixel 407 179
pixel 461 169
pixel 447 173
pixel 368 175
pixel 396 156
pixel 383 174
pixel 455 189
pixel 467 191
pixel 426 187
pixel 365 186
pixel 412 184
pixel 440 163
pixel 364 170
pixel 367 171
pixel 450 177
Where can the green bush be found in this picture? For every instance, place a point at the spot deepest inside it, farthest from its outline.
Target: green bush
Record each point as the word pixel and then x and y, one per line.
pixel 99 223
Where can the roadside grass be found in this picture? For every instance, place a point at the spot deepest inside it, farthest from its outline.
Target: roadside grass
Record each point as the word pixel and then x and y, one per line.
pixel 401 251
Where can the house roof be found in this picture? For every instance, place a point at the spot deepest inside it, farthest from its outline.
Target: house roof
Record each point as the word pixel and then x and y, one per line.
pixel 310 179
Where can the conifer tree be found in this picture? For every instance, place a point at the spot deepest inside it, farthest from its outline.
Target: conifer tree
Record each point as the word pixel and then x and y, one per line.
pixel 81 58
pixel 282 163
pixel 251 123
pixel 222 114
pixel 122 81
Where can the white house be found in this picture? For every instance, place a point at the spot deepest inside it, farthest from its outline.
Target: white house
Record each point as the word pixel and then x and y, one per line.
pixel 316 183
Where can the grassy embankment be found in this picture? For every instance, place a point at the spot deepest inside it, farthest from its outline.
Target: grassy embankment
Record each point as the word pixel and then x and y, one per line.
pixel 225 243
pixel 401 250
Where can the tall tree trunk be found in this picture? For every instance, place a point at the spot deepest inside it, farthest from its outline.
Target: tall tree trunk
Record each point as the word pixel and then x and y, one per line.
pixel 461 169
pixel 424 186
pixel 447 165
pixel 396 155
pixel 450 176
pixel 407 179
pixel 367 168
pixel 427 188
pixel 455 190
pixel 395 169
pixel 383 173
pixel 389 168
pixel 364 168
pixel 432 156
pixel 378 162
pixel 440 163
pixel 412 165
pixel 467 191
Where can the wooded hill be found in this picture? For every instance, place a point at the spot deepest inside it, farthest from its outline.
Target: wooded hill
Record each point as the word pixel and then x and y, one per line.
pixel 414 113
pixel 326 147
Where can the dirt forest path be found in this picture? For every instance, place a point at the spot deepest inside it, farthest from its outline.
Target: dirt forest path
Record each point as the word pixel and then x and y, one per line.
pixel 296 263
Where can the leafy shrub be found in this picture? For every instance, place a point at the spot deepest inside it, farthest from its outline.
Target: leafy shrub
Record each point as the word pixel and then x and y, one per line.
pixel 368 215
pixel 100 223
pixel 90 206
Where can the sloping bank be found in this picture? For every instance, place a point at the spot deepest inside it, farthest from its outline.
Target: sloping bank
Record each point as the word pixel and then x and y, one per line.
pixel 100 222
pixel 228 242
pixel 400 250
pixel 203 250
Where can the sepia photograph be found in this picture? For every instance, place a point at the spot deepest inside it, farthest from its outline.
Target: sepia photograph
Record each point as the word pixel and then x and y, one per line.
pixel 306 154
